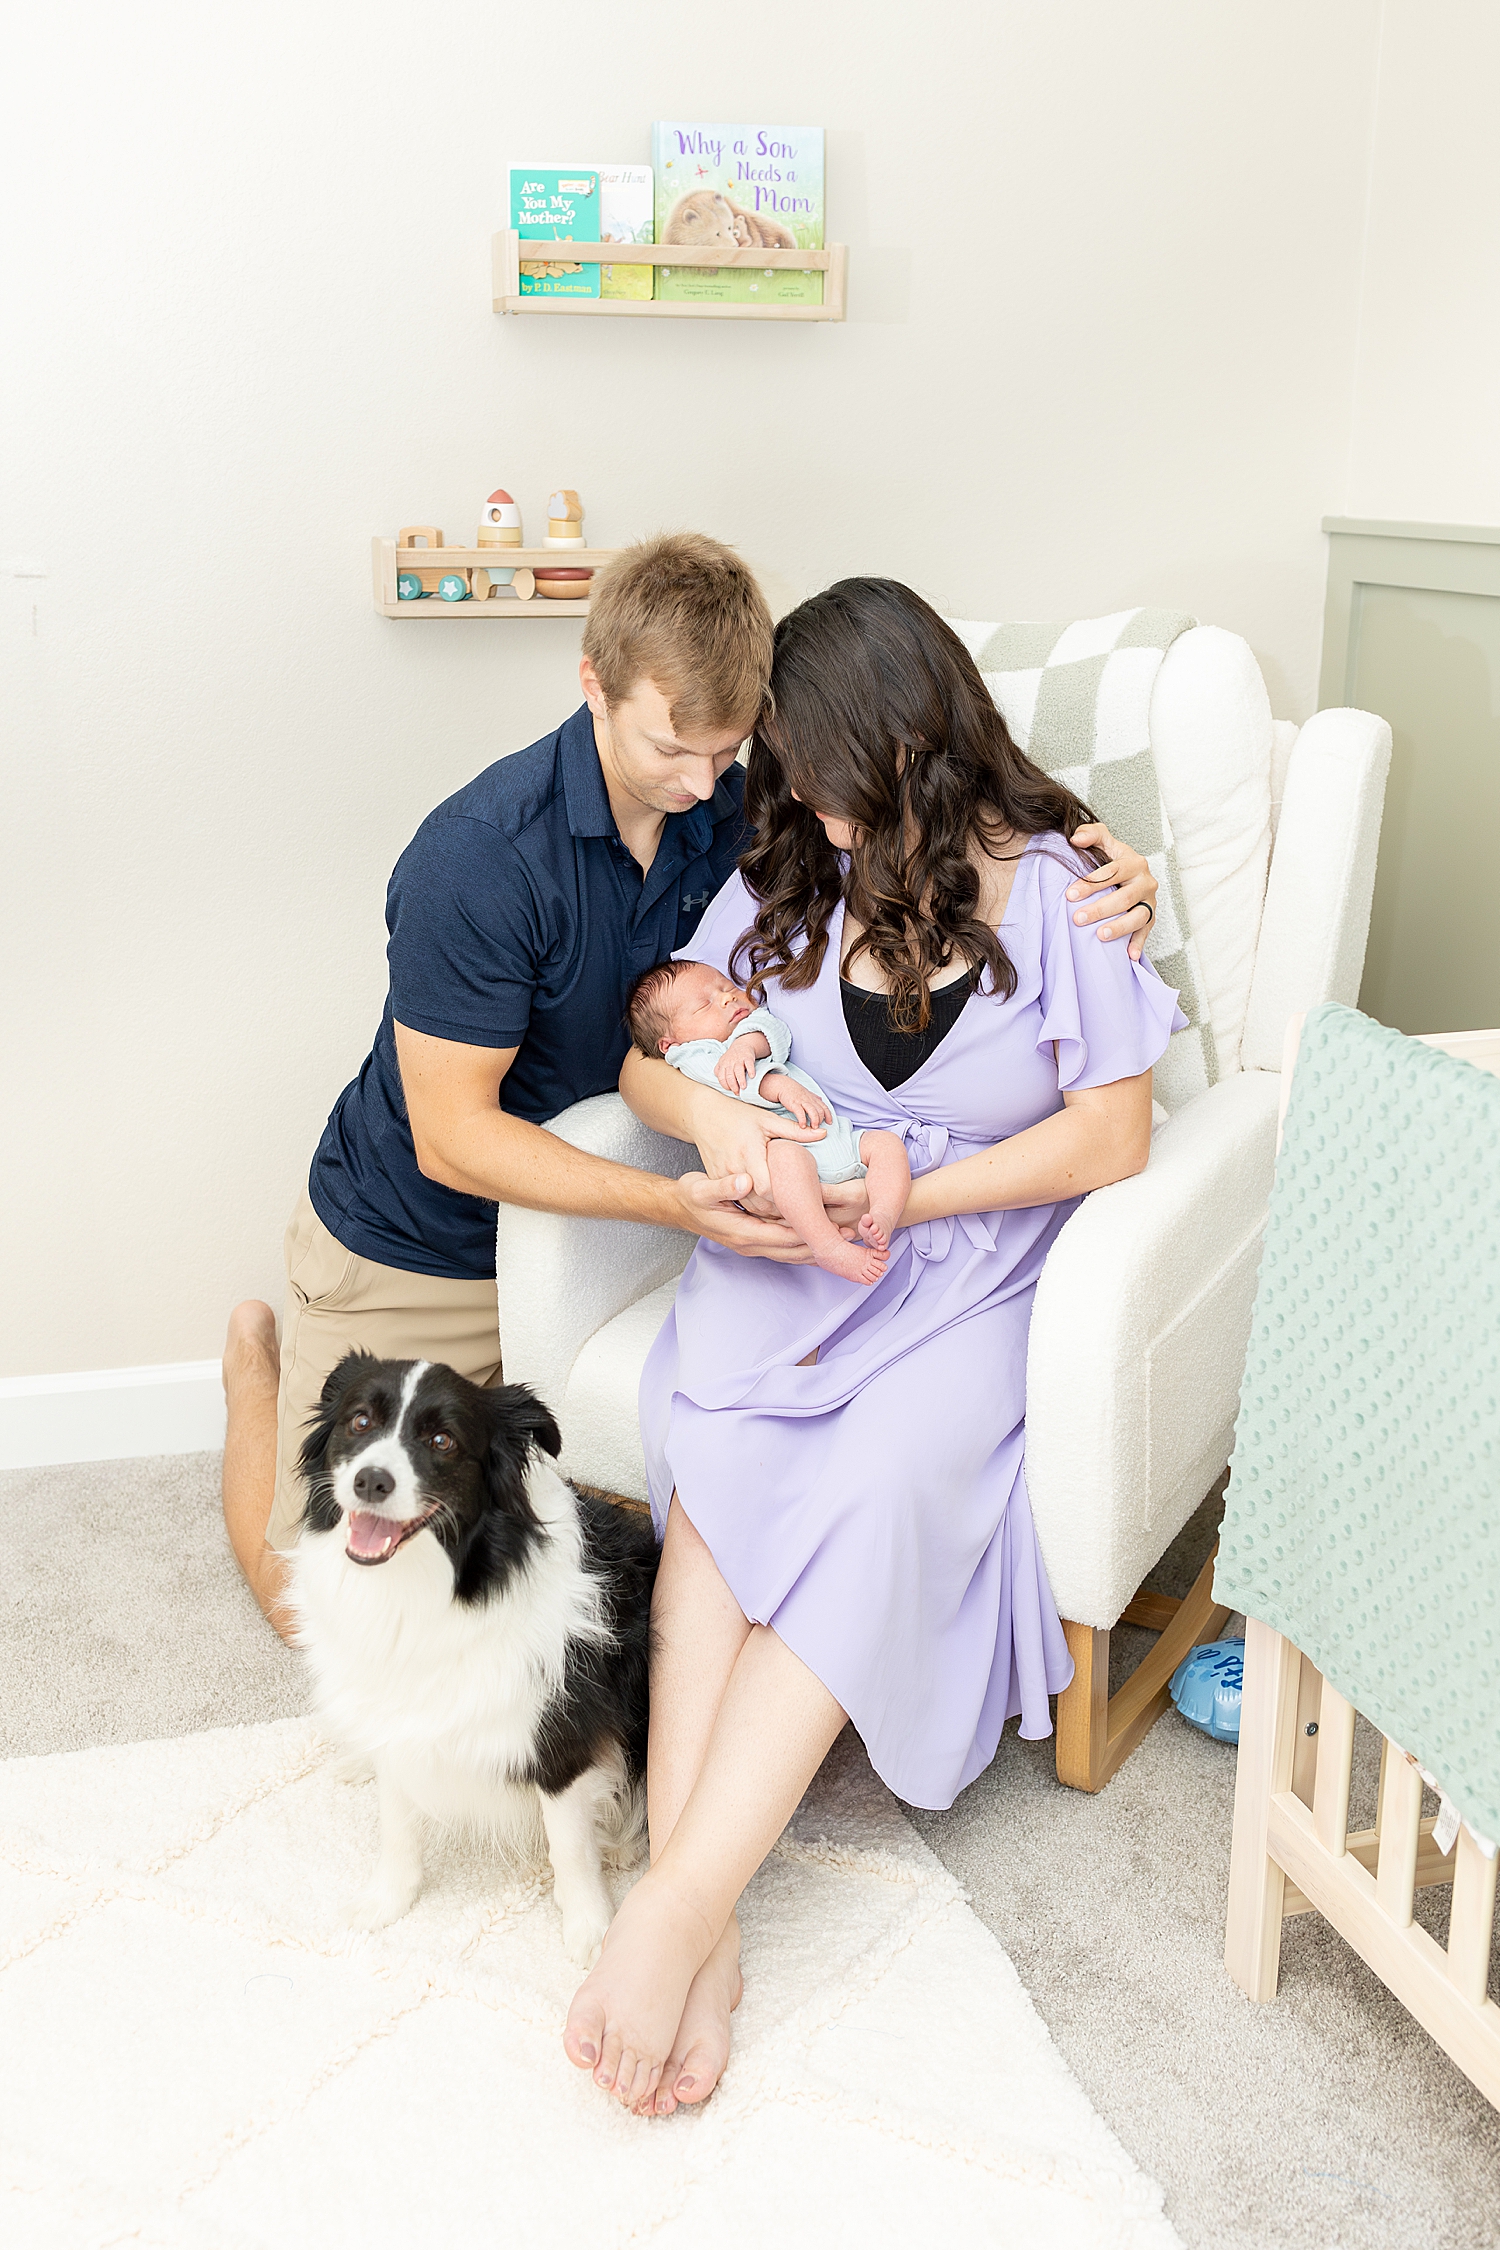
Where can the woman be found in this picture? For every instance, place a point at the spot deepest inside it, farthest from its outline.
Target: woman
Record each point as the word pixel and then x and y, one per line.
pixel 837 1472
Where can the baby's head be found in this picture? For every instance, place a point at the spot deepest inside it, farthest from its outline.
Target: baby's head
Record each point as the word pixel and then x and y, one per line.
pixel 681 1000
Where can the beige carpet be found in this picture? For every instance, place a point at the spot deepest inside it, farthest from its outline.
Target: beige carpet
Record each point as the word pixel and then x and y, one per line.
pixel 1327 2119
pixel 196 2053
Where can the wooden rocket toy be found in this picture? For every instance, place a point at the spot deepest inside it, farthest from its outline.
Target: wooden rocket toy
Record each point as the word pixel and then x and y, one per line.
pixel 499 521
pixel 500 526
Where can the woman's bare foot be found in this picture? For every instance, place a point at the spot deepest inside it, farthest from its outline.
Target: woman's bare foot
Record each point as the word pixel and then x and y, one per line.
pixel 856 1261
pixel 627 2009
pixel 701 2048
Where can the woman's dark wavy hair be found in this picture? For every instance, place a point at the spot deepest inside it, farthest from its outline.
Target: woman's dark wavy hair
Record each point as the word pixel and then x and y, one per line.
pixel 878 716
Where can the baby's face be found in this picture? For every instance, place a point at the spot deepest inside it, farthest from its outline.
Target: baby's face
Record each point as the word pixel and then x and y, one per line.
pixel 704 1005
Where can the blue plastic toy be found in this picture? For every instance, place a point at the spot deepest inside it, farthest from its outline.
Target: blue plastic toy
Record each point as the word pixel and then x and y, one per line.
pixel 453 586
pixel 408 586
pixel 1207 1686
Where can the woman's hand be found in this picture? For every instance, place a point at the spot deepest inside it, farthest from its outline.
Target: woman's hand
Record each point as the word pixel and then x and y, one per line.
pixel 1131 907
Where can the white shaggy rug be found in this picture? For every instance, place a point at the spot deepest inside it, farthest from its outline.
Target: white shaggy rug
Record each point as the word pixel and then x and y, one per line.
pixel 195 2054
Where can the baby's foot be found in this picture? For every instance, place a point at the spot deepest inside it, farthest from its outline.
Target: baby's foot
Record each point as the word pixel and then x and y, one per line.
pixel 855 1261
pixel 876 1235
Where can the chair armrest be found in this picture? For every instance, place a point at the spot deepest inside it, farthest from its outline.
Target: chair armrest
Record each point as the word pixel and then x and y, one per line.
pixel 1137 1347
pixel 1317 911
pixel 562 1278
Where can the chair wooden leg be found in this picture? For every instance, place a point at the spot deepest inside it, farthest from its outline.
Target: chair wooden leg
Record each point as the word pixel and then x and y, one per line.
pixel 1097 1731
pixel 1083 1708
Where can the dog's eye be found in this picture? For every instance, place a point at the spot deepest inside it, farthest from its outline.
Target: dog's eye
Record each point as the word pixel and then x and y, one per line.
pixel 440 1442
pixel 359 1422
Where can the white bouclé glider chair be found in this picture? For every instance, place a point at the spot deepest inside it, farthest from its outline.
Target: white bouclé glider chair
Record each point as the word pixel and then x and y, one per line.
pixel 1143 1309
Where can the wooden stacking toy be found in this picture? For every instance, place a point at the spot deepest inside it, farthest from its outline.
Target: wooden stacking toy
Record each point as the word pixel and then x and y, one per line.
pixel 564 530
pixel 565 520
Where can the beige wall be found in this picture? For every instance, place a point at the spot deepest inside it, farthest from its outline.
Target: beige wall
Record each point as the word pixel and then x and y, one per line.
pixel 1103 286
pixel 1425 443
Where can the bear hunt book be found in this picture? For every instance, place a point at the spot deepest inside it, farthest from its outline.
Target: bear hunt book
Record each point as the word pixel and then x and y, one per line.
pixel 626 214
pixel 742 185
pixel 555 203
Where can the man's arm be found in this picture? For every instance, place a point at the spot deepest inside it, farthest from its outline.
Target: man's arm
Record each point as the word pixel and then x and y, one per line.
pixel 464 1140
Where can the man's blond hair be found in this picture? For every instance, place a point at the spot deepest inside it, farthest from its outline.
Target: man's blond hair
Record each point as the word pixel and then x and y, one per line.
pixel 683 611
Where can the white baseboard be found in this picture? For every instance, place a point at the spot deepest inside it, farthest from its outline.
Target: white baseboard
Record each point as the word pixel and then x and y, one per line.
pixel 111 1414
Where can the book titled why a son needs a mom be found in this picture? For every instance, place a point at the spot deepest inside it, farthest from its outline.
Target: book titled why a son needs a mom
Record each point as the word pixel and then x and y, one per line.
pixel 555 203
pixel 745 186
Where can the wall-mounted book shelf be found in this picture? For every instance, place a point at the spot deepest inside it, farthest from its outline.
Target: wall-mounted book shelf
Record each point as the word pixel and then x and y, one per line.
pixel 389 560
pixel 832 263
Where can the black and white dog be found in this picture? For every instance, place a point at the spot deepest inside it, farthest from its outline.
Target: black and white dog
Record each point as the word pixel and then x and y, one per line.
pixel 477 1629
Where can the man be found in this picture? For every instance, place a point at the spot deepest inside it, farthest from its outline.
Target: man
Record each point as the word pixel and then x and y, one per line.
pixel 518 916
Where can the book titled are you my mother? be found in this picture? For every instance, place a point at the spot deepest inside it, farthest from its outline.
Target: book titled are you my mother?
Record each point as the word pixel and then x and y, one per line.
pixel 555 203
pixel 745 187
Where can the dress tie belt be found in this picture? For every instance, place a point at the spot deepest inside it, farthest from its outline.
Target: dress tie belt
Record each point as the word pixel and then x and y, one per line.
pixel 931 1239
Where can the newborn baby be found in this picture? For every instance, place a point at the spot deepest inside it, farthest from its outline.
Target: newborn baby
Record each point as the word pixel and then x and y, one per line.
pixel 714 1033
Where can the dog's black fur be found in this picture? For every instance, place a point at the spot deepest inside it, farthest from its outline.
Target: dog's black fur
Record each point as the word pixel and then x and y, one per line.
pixel 485 1523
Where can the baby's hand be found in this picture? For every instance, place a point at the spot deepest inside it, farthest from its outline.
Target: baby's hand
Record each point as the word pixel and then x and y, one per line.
pixel 739 1058
pixel 805 1107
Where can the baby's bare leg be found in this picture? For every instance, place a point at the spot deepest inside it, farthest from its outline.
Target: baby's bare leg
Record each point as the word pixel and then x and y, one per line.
pixel 887 1184
pixel 799 1193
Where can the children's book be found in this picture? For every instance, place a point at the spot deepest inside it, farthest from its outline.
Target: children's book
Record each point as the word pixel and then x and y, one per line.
pixel 625 215
pixel 555 202
pixel 743 186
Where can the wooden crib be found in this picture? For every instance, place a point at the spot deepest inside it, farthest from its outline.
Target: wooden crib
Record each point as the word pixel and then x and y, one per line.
pixel 1293 1852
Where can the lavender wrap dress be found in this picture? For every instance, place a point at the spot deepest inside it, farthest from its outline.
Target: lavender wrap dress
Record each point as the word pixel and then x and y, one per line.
pixel 872 1508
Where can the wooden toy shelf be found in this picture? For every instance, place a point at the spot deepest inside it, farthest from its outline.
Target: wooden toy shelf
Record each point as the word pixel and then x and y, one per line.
pixel 832 263
pixel 388 559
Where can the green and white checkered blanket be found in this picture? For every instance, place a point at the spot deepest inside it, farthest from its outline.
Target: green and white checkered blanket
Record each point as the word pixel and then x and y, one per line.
pixel 1077 699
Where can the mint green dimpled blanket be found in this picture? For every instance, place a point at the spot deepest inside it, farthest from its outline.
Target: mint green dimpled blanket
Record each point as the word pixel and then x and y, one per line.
pixel 1363 1513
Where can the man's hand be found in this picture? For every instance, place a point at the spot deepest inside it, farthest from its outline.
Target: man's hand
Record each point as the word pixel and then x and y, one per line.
pixel 711 1207
pixel 805 1107
pixel 739 1058
pixel 1129 910
pixel 732 1139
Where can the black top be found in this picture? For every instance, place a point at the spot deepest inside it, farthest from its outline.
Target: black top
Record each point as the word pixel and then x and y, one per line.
pixel 894 1056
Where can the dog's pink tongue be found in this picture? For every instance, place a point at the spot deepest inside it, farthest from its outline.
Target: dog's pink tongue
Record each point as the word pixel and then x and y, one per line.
pixel 371 1538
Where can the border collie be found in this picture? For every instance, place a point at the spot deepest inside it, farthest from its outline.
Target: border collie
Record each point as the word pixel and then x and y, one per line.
pixel 477 1629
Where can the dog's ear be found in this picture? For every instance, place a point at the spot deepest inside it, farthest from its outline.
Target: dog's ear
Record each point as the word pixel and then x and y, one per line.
pixel 521 1412
pixel 341 1376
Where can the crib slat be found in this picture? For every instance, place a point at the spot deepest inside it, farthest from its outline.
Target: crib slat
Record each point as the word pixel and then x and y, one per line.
pixel 1399 1822
pixel 1335 1764
pixel 1305 1744
pixel 1471 1919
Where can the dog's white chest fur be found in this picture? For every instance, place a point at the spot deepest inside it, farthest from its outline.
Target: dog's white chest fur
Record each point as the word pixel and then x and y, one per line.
pixel 445 1699
pixel 452 1693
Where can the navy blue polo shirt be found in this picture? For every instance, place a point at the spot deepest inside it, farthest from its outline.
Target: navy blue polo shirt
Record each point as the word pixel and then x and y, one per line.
pixel 517 918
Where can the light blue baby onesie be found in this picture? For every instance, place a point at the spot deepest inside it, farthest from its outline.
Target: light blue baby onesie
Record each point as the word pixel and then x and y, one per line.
pixel 837 1154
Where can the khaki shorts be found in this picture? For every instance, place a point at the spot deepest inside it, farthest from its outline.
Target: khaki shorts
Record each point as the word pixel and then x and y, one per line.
pixel 338 1302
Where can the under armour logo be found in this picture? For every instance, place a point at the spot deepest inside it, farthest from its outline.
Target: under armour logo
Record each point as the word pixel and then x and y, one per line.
pixel 691 905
